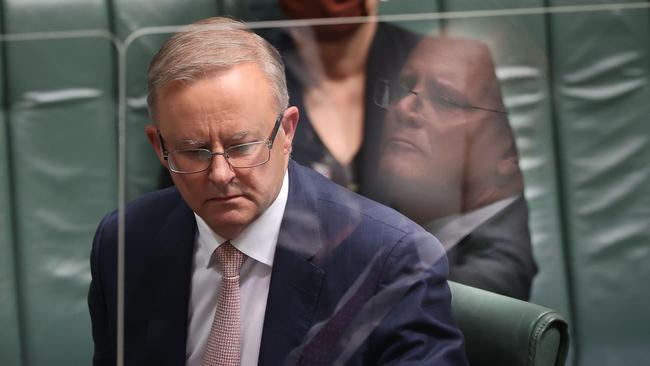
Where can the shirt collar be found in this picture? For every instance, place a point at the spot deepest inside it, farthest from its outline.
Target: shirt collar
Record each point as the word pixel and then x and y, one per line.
pixel 450 230
pixel 258 240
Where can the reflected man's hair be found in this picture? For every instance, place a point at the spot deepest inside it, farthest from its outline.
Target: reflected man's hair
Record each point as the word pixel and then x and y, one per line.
pixel 214 44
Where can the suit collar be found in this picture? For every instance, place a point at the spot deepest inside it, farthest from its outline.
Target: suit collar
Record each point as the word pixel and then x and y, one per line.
pixel 295 280
pixel 300 231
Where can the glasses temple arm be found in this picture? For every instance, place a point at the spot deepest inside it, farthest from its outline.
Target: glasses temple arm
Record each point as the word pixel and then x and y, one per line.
pixel 274 132
pixel 163 149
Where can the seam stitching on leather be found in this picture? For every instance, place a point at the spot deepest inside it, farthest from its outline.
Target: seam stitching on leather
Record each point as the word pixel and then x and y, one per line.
pixel 538 331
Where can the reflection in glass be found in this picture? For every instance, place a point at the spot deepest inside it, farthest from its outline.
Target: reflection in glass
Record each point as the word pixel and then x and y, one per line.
pixel 452 166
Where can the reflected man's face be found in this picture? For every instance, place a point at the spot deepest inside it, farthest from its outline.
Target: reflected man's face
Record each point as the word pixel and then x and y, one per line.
pixel 223 109
pixel 432 122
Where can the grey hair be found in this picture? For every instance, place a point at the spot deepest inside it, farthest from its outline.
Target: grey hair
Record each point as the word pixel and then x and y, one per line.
pixel 214 44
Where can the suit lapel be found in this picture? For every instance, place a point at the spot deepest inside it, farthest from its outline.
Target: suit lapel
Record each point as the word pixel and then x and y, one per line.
pixel 171 269
pixel 295 280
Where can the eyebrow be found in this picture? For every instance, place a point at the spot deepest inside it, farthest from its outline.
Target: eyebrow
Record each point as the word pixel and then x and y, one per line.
pixel 239 135
pixel 193 143
pixel 432 84
pixel 188 143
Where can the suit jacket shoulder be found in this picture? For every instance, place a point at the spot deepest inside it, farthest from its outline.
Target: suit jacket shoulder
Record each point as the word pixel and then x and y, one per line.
pixel 159 238
pixel 351 276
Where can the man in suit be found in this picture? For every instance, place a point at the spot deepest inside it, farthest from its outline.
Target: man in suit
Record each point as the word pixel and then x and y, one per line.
pixel 451 164
pixel 251 258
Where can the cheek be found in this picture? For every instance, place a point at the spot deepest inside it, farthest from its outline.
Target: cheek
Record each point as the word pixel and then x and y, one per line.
pixel 258 183
pixel 446 140
pixel 390 125
pixel 447 151
pixel 405 165
pixel 190 186
pixel 250 182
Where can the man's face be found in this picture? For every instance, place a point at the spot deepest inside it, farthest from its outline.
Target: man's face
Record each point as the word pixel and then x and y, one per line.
pixel 223 109
pixel 427 136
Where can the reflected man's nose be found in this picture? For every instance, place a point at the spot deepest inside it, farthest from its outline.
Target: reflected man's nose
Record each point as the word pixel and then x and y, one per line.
pixel 408 109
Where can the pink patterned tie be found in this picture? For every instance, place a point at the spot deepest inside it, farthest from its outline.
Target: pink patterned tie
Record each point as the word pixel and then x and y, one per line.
pixel 224 342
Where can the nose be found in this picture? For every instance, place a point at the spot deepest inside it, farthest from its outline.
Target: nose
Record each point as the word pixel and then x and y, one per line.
pixel 220 172
pixel 408 110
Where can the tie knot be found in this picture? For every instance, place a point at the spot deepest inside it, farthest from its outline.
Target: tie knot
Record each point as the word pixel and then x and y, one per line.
pixel 230 259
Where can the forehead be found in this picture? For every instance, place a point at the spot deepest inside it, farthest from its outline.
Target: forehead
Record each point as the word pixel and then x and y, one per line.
pixel 463 64
pixel 239 95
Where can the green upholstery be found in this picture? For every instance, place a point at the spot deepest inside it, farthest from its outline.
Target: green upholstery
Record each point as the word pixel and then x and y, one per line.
pixel 602 68
pixel 62 149
pixel 10 335
pixel 396 7
pixel 503 331
pixel 255 10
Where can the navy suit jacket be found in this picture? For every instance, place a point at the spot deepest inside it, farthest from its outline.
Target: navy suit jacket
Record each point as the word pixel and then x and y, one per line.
pixel 497 256
pixel 352 281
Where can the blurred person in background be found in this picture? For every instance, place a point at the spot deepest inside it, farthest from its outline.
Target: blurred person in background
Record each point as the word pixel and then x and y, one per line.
pixel 331 73
pixel 450 163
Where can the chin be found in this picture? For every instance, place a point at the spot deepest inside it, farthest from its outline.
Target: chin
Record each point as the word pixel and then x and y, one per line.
pixel 227 215
pixel 401 171
pixel 228 226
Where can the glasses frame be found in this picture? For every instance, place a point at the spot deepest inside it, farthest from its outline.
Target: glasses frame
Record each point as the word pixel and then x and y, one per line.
pixel 386 85
pixel 268 142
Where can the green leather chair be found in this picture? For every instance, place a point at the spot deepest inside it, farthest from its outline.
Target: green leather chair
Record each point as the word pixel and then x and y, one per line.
pixel 500 330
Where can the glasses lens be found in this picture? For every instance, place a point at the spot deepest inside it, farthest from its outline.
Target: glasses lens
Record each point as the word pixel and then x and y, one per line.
pixel 248 155
pixel 189 161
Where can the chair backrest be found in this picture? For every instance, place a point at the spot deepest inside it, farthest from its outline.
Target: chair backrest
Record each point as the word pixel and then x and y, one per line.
pixel 500 330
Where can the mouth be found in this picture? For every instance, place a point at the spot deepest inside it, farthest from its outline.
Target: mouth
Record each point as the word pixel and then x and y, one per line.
pixel 401 144
pixel 225 199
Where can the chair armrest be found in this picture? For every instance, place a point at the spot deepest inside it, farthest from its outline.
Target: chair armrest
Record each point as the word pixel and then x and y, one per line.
pixel 500 330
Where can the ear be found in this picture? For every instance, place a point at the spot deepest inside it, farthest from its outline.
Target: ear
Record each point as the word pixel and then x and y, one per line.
pixel 152 135
pixel 289 124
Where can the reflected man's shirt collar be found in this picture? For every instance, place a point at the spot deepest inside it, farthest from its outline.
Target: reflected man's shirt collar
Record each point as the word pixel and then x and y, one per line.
pixel 450 230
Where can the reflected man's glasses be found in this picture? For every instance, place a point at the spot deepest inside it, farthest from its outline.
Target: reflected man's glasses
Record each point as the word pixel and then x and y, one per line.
pixel 248 155
pixel 386 93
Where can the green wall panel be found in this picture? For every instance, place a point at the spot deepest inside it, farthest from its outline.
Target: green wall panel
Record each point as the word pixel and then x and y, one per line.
pixel 601 88
pixel 142 166
pixel 261 10
pixel 397 7
pixel 63 154
pixel 10 335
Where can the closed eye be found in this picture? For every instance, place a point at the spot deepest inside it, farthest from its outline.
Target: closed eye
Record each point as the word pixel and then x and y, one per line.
pixel 447 102
pixel 244 149
pixel 193 153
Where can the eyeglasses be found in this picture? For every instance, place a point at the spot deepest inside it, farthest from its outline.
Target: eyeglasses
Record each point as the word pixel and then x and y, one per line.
pixel 386 93
pixel 248 155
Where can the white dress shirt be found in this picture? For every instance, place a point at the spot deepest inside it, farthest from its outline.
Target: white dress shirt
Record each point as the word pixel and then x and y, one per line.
pixel 258 242
pixel 450 230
